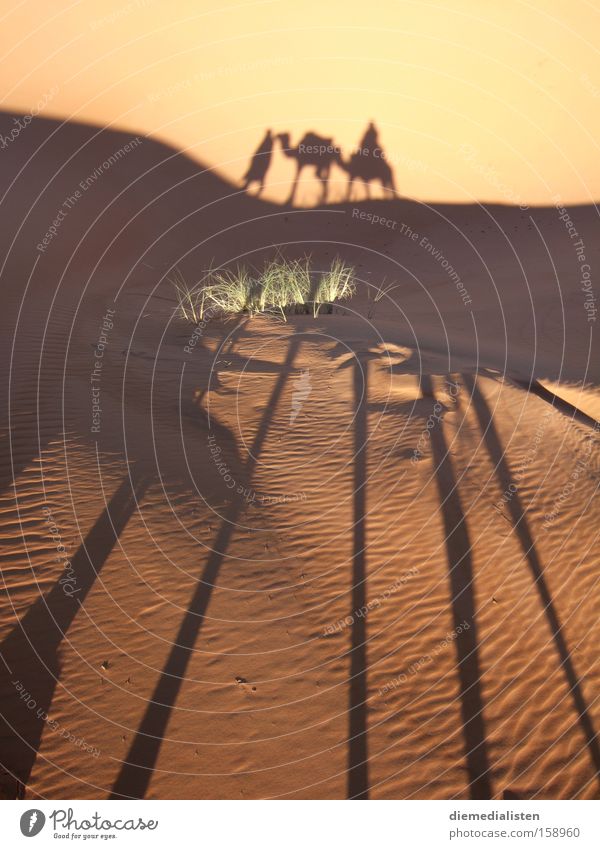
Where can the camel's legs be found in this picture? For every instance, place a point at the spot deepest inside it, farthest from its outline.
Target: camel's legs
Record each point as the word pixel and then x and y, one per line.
pixel 324 178
pixel 367 189
pixel 299 168
pixel 350 187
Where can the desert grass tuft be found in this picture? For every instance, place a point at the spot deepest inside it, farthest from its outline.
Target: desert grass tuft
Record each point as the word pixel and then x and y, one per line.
pixel 337 284
pixel 191 301
pixel 234 292
pixel 286 284
pixel 376 293
pixel 283 286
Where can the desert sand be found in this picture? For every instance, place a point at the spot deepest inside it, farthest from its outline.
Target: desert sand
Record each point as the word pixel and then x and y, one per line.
pixel 392 589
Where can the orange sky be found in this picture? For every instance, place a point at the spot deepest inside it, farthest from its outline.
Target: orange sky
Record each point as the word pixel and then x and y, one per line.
pixel 490 100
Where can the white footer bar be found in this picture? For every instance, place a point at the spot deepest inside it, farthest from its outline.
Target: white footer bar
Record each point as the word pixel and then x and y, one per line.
pixel 302 824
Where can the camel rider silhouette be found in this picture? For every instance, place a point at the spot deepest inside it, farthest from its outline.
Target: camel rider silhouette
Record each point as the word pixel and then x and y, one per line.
pixel 370 141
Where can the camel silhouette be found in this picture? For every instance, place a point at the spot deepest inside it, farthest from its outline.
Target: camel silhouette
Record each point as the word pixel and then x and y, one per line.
pixel 312 151
pixel 259 164
pixel 368 163
pixel 368 166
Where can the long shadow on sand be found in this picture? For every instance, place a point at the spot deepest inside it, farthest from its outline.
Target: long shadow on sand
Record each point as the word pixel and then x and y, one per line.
pixel 358 759
pixel 458 550
pixel 140 761
pixel 358 766
pixel 521 528
pixel 30 652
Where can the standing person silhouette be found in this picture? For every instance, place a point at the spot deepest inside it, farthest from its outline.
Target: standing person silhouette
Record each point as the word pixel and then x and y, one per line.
pixel 259 164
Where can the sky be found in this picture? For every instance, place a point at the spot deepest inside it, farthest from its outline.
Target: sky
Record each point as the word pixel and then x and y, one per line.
pixel 495 100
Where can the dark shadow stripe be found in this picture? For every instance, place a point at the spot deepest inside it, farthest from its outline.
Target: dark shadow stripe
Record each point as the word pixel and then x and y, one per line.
pixel 137 767
pixel 521 528
pixel 30 651
pixel 460 570
pixel 358 767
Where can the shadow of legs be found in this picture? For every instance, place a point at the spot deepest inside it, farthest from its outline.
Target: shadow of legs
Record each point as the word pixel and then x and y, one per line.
pixel 458 550
pixel 358 767
pixel 29 654
pixel 521 528
pixel 138 765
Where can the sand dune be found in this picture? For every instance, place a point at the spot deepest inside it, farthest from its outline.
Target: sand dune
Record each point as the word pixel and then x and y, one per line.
pixel 391 589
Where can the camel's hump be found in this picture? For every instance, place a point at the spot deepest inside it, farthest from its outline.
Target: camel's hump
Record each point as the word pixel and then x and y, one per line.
pixel 315 139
